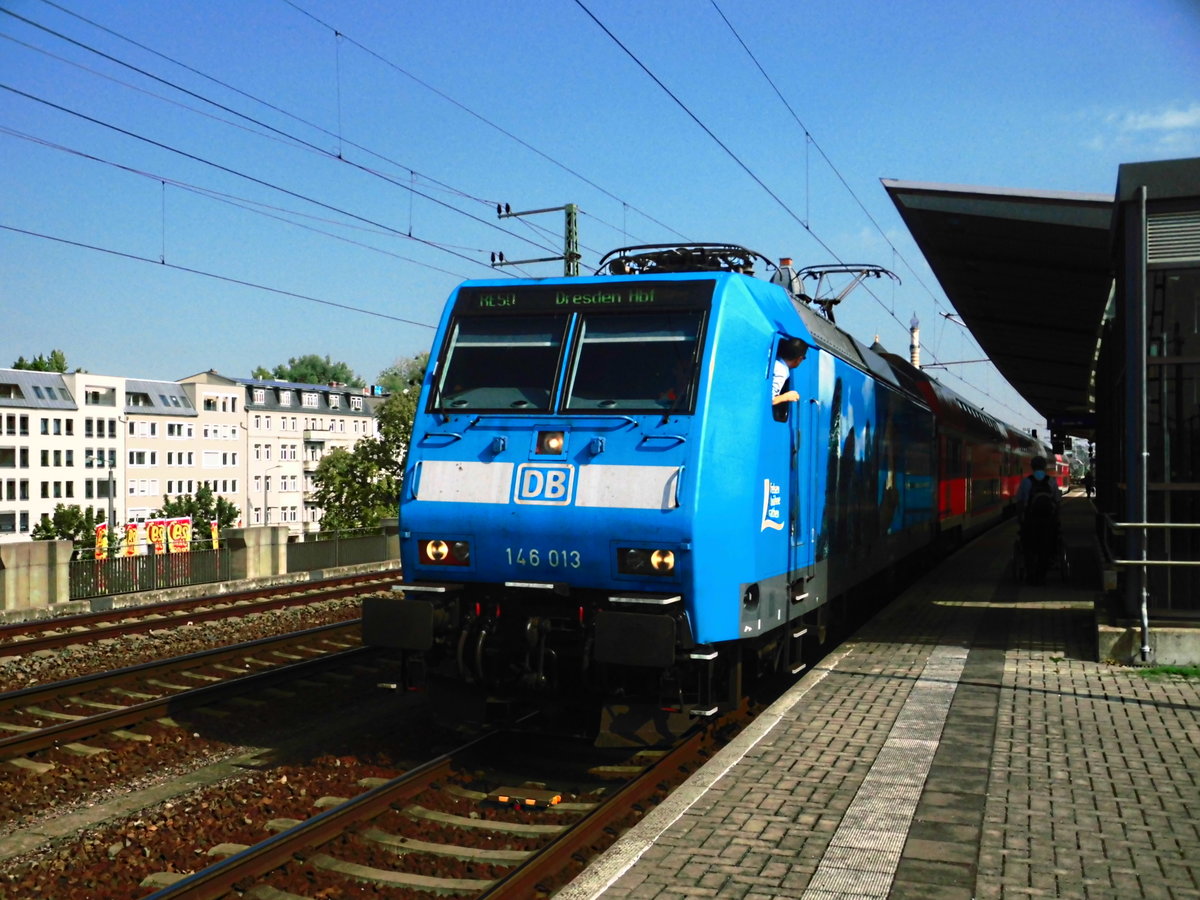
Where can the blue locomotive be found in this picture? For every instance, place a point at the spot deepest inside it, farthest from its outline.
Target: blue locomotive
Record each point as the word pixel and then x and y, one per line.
pixel 600 492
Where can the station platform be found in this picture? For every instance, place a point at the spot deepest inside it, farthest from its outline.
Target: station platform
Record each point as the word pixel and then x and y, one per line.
pixel 965 743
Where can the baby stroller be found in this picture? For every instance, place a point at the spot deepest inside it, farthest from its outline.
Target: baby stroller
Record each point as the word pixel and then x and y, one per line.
pixel 1040 546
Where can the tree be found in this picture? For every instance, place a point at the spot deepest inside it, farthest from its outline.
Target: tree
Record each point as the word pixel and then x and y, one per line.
pixel 68 523
pixel 204 508
pixel 311 369
pixel 404 373
pixel 356 488
pixel 57 362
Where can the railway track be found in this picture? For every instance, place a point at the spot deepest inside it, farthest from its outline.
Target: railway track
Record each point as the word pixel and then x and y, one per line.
pixel 152 690
pixel 64 631
pixel 502 842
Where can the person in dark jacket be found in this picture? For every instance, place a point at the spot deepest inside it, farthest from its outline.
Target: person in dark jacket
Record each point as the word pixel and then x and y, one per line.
pixel 1037 513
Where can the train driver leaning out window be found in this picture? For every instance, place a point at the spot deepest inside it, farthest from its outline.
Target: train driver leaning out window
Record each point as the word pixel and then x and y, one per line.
pixel 791 353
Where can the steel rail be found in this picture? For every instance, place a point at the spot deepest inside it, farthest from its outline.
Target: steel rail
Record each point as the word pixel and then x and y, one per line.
pixel 173 612
pixel 221 878
pixel 23 743
pixel 526 880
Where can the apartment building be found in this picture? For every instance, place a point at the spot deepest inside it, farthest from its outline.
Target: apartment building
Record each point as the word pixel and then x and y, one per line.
pixel 39 449
pixel 120 445
pixel 290 427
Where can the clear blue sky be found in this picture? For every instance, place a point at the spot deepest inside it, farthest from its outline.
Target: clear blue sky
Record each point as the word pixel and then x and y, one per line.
pixel 239 153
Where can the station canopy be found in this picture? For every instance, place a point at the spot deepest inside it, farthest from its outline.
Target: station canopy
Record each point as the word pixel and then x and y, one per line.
pixel 1030 274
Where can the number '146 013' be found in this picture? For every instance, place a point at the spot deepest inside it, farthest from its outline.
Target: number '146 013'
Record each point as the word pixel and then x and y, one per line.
pixel 553 559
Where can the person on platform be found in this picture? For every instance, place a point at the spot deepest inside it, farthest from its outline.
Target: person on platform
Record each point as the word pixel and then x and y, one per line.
pixel 1038 499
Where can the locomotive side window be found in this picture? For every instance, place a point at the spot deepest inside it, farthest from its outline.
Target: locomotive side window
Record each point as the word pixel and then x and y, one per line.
pixel 635 361
pixel 494 363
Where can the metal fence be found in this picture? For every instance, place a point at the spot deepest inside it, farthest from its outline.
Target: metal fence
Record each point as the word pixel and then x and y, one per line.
pixel 329 549
pixel 125 574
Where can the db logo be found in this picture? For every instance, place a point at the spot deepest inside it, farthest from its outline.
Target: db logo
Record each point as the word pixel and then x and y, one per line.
pixel 546 484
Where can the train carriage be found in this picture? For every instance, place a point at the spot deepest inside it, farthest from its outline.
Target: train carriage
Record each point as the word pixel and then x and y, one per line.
pixel 599 492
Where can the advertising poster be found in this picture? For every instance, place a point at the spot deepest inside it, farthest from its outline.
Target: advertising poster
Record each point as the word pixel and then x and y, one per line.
pixel 102 540
pixel 156 536
pixel 130 547
pixel 179 534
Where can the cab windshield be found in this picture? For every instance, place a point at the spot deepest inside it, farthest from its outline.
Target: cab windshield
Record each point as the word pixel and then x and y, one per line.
pixel 634 362
pixel 497 363
pixel 584 361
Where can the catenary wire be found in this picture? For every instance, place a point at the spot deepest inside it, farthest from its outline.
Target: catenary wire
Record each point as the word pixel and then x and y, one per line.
pixel 225 278
pixel 809 138
pixel 481 118
pixel 295 140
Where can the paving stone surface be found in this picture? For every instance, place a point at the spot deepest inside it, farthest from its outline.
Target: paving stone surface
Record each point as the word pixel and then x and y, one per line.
pixel 963 744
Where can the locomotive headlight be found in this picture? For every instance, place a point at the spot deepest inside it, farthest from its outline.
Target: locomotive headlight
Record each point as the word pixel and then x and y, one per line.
pixel 437 552
pixel 550 443
pixel 645 561
pixel 662 562
pixel 632 560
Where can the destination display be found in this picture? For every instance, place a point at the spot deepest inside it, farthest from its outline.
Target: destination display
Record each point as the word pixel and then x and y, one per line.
pixel 622 295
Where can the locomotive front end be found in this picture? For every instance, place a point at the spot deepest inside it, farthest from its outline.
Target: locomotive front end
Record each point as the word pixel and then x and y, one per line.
pixel 545 531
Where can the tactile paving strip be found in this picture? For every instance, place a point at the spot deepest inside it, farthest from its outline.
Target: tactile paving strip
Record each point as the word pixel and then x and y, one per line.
pixel 865 850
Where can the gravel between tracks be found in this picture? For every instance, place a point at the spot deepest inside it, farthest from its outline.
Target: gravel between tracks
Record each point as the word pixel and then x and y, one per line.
pixel 25 670
pixel 19 671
